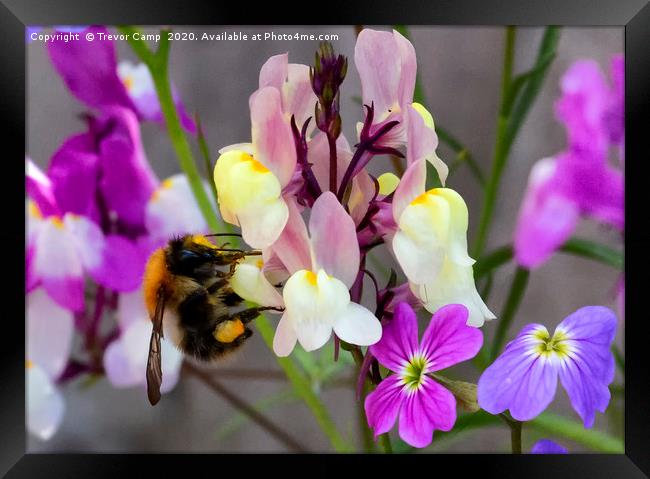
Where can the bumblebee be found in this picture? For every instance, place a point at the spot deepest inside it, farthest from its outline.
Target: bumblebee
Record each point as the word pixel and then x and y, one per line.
pixel 186 288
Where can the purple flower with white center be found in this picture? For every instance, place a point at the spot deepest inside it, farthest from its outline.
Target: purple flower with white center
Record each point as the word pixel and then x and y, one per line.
pixel 90 71
pixel 546 446
pixel 524 378
pixel 579 181
pixel 422 404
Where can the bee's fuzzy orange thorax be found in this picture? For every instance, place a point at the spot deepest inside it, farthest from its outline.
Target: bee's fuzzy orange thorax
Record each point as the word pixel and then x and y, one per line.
pixel 155 275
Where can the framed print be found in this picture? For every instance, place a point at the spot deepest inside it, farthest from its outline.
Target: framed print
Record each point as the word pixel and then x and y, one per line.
pixel 380 234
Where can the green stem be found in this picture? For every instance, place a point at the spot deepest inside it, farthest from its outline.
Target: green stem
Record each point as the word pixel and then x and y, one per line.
pixel 500 156
pixel 366 434
pixel 207 163
pixel 559 426
pixel 157 63
pixel 515 432
pixel 516 294
pixel 385 443
pixel 619 358
pixel 303 389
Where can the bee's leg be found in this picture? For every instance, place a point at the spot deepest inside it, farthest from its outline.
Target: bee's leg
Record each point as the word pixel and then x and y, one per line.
pixel 248 315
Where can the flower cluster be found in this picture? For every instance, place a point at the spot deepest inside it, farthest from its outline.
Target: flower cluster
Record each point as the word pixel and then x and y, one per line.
pixel 289 169
pixel 93 217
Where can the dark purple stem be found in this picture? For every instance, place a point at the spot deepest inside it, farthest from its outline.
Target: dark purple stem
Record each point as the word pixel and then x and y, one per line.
pixel 366 146
pixel 331 141
pixel 299 138
pixel 364 371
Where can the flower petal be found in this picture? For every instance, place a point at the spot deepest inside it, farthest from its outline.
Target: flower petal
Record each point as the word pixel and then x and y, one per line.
pixel 75 172
pixel 546 219
pixel 454 285
pixel 420 244
pixel 298 97
pixel 334 239
pixel 546 446
pixel 173 210
pixel 250 283
pixel 521 379
pixel 58 265
pixel 357 325
pixel 271 134
pixel 89 69
pixel 49 333
pixel 45 406
pixel 410 187
pixel 285 337
pixel 588 368
pixel 40 189
pixel 399 340
pixel 422 141
pixel 383 404
pixel 292 247
pixel 274 71
pixel 377 57
pixel 430 407
pixel 448 340
pixel 122 265
pixel 127 180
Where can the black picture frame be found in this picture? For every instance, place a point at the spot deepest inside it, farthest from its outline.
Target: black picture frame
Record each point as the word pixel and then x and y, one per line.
pixel 634 15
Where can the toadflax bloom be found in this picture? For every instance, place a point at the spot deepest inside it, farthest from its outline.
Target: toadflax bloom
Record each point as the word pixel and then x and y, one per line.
pixel 63 246
pixel 387 67
pixel 323 267
pixel 578 181
pixel 421 403
pixel 430 245
pixel 524 378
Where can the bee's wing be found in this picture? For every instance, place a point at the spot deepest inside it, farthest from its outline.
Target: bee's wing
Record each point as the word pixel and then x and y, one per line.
pixel 154 368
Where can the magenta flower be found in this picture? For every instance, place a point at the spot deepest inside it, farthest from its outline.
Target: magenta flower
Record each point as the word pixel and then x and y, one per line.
pixel 421 403
pixel 546 446
pixel 90 71
pixel 524 378
pixel 104 172
pixel 579 181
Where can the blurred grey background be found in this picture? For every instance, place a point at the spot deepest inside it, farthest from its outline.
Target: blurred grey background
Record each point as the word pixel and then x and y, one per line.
pixel 461 72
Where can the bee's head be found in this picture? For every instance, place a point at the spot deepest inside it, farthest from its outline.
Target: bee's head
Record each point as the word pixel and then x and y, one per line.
pixel 193 256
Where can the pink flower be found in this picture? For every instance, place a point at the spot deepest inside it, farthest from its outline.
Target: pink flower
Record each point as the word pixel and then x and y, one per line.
pixel 421 403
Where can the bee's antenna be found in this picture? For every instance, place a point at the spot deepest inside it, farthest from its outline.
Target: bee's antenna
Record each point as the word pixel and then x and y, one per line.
pixel 223 234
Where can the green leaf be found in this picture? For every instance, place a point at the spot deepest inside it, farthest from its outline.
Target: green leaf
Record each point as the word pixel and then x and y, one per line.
pixel 559 426
pixel 534 82
pixel 492 261
pixel 595 251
